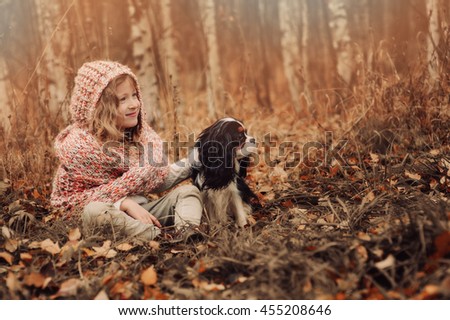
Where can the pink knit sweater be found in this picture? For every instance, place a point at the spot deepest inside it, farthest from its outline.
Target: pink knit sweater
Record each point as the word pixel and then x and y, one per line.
pixel 91 171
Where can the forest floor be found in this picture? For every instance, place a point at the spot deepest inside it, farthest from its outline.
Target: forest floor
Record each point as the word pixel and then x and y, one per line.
pixel 362 218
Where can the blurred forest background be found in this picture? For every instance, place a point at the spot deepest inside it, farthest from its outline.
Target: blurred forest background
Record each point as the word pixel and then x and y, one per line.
pixel 372 72
pixel 221 56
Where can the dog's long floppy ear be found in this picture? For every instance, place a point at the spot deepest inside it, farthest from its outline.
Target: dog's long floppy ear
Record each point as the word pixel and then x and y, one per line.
pixel 243 165
pixel 248 196
pixel 217 154
pixel 217 164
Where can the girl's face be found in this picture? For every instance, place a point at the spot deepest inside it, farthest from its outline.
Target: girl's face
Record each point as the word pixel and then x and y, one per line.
pixel 129 105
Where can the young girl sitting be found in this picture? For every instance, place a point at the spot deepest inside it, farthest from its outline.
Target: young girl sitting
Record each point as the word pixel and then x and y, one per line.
pixel 110 159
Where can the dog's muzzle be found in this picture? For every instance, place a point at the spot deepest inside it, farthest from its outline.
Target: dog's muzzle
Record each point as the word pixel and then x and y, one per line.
pixel 248 148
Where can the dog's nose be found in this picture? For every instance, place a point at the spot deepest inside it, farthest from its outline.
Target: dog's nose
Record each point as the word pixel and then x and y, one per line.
pixel 253 140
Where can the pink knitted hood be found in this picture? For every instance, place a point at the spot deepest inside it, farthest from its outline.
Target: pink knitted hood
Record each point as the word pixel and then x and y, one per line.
pixel 92 78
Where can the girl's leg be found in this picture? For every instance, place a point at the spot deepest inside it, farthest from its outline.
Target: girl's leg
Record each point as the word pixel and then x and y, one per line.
pixel 97 215
pixel 181 207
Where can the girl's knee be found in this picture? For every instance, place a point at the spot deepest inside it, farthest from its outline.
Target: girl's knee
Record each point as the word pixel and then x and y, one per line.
pixel 188 190
pixel 95 214
pixel 97 208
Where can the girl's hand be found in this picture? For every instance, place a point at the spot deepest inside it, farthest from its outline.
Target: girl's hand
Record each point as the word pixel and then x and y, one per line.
pixel 136 211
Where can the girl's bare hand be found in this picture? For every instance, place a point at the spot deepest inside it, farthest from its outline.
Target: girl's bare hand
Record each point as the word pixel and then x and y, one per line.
pixel 136 211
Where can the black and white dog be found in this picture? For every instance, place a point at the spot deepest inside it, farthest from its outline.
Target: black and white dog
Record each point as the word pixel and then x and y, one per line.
pixel 223 151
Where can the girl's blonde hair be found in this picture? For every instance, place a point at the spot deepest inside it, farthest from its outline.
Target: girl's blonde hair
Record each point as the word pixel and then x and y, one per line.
pixel 104 122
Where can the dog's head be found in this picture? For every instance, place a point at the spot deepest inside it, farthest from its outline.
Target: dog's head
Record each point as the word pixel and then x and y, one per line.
pixel 220 148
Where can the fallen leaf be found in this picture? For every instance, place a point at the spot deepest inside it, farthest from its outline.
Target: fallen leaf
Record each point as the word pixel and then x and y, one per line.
pixel 105 250
pixel 412 175
pixel 205 285
pixel 287 204
pixel 442 245
pixel 25 256
pixel 124 247
pixel 375 158
pixel 49 246
pixel 102 295
pixel 251 220
pixel 4 186
pixel 34 245
pixel 386 263
pixel 201 266
pixel 74 234
pixel 334 170
pixel 154 294
pixel 7 257
pixel 433 183
pixel 12 282
pixel 11 245
pixel 429 292
pixel 361 254
pixel 154 245
pixel 363 236
pixel 149 276
pixel 330 218
pixel 89 252
pixel 68 288
pixel 123 290
pixel 34 279
pixel 265 188
pixel 369 197
pixel 307 286
pixel 6 232
pixel 46 282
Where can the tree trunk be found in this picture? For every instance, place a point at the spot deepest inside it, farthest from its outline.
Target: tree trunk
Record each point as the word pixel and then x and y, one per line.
pixel 341 38
pixel 168 58
pixel 4 96
pixel 304 53
pixel 266 76
pixel 51 72
pixel 290 50
pixel 213 74
pixel 433 39
pixel 144 60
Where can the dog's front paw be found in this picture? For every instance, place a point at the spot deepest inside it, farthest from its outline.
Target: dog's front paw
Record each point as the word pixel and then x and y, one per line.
pixel 242 222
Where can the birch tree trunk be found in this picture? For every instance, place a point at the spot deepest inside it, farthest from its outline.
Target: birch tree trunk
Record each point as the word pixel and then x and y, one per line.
pixel 304 52
pixel 290 50
pixel 367 29
pixel 433 39
pixel 341 38
pixel 213 75
pixel 168 57
pixel 266 76
pixel 52 78
pixel 144 60
pixel 4 95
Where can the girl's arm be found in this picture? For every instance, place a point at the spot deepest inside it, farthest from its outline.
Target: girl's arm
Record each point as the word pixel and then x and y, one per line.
pixel 135 181
pixel 178 172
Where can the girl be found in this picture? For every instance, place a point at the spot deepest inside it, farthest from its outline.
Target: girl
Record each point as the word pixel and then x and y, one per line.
pixel 110 159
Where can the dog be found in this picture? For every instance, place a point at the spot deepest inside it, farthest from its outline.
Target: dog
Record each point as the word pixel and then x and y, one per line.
pixel 222 154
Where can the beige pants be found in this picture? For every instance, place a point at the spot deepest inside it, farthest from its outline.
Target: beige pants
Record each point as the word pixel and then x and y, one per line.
pixel 178 208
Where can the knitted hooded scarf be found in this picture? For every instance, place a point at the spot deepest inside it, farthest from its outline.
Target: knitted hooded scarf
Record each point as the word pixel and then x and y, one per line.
pixel 91 170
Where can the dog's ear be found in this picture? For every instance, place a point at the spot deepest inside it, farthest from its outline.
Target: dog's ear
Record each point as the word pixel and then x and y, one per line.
pixel 217 166
pixel 243 165
pixel 248 196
